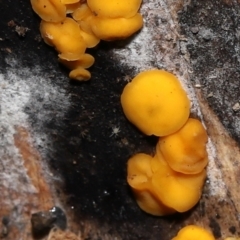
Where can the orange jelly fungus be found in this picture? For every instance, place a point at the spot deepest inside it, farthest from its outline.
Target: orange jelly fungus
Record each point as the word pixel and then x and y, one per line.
pixel 83 15
pixel 176 190
pixel 77 67
pixel 140 179
pixel 70 1
pixel 70 8
pixel 156 103
pixel 185 150
pixel 115 19
pixel 173 179
pixel 158 189
pixel 82 12
pixel 91 22
pixel 114 8
pixel 110 29
pixel 80 74
pixel 64 36
pixel 193 232
pixel 49 10
pixel 90 39
pixel 85 61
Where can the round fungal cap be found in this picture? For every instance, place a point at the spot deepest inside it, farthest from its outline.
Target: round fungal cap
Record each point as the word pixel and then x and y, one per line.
pixel 64 36
pixel 69 1
pixel 176 190
pixel 150 204
pixel 139 178
pixel 82 12
pixel 49 10
pixel 84 61
pixel 109 29
pixel 194 232
pixel 80 74
pixel 70 8
pixel 185 150
pixel 90 39
pixel 156 103
pixel 139 171
pixel 158 189
pixel 114 8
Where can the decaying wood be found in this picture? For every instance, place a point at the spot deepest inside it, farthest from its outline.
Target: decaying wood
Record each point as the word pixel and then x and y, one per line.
pixel 25 190
pixel 32 164
pixel 34 121
pixel 57 234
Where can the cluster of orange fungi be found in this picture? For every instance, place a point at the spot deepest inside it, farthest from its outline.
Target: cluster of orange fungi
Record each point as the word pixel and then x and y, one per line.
pixel 72 26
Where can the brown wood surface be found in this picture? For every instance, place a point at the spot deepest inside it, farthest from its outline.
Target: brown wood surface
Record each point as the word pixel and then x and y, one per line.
pixel 47 125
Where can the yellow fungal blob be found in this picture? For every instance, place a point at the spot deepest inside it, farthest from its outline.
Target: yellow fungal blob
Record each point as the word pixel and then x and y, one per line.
pixel 158 189
pixel 156 103
pixel 192 232
pixel 49 10
pixel 177 190
pixel 140 171
pixel 114 8
pixel 173 179
pixel 91 22
pixel 185 150
pixel 70 1
pixel 150 204
pixel 140 179
pixel 82 12
pixel 78 66
pixel 64 36
pixel 90 39
pixel 85 61
pixel 70 8
pixel 109 29
pixel 80 74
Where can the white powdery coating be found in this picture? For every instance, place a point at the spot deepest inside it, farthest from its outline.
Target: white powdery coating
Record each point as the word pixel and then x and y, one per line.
pixel 159 45
pixel 138 53
pixel 18 88
pixel 217 186
pixel 13 99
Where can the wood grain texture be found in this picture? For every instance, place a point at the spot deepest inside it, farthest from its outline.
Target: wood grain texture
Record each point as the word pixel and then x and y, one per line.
pixel 57 146
pixel 24 190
